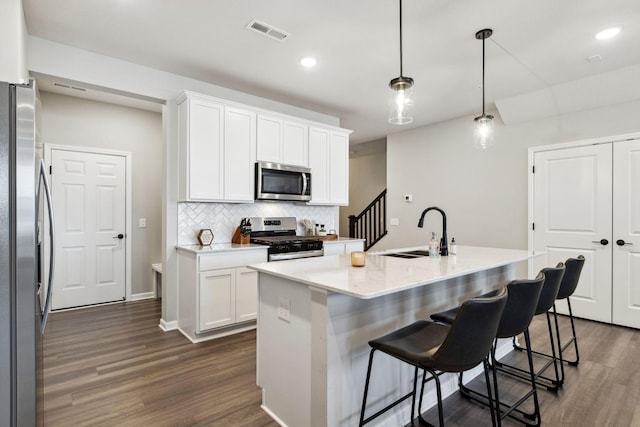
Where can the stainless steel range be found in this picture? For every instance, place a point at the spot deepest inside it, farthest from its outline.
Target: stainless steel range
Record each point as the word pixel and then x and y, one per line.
pixel 279 233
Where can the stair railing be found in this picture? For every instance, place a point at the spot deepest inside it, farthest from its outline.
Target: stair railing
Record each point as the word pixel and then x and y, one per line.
pixel 371 223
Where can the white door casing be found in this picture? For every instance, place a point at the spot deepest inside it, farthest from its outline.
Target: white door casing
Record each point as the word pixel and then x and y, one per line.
pixel 90 190
pixel 572 216
pixel 626 233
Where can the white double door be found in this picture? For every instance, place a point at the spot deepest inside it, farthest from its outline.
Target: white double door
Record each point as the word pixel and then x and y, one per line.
pixel 586 201
pixel 89 199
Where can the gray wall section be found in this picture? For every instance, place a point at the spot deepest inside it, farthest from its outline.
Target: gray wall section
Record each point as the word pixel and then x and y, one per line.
pixel 83 123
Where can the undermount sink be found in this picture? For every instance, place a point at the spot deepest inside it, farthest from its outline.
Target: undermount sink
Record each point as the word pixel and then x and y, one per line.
pixel 408 254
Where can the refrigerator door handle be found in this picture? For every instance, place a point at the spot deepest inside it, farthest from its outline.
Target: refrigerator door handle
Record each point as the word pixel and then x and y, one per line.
pixel 47 304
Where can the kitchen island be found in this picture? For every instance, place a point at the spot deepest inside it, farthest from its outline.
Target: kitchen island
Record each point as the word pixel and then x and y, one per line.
pixel 316 316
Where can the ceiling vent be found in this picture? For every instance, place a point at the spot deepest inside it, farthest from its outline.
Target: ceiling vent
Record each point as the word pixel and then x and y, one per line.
pixel 267 30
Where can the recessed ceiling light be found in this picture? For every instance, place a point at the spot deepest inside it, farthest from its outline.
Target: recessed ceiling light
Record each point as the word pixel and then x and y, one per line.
pixel 608 33
pixel 308 61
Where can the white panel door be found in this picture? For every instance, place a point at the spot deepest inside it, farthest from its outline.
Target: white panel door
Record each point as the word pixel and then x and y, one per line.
pixel 89 197
pixel 626 233
pixel 572 216
pixel 239 154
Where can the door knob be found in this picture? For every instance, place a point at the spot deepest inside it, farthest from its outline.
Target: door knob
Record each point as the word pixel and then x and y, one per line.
pixel 621 242
pixel 603 242
pixel 119 236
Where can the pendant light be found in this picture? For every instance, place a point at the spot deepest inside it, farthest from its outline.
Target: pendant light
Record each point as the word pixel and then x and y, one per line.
pixel 401 96
pixel 483 125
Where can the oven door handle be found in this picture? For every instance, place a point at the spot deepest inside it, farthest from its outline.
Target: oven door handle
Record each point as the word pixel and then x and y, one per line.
pixel 296 255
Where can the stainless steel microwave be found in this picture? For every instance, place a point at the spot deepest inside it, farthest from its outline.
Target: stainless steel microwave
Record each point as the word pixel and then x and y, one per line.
pixel 275 181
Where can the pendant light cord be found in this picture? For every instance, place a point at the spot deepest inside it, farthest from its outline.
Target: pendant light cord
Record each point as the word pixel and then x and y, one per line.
pixel 483 76
pixel 400 38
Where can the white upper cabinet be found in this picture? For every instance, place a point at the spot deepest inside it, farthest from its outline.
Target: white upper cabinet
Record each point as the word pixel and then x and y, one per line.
pixel 239 154
pixel 329 163
pixel 217 150
pixel 282 141
pixel 220 142
pixel 295 144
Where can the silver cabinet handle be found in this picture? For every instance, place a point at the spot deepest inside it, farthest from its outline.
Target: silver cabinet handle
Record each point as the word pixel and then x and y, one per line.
pixel 119 236
pixel 603 242
pixel 621 242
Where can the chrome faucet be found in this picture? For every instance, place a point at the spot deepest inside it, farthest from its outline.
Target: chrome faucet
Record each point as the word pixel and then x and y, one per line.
pixel 444 248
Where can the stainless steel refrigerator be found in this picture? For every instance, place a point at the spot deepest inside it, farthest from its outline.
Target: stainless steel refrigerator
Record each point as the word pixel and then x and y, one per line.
pixel 24 301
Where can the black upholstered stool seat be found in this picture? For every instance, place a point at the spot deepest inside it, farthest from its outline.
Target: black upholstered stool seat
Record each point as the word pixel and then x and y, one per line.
pixel 437 348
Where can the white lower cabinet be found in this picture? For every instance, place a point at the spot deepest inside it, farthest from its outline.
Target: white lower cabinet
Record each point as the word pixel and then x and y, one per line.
pixel 216 306
pixel 218 294
pixel 246 294
pixel 342 247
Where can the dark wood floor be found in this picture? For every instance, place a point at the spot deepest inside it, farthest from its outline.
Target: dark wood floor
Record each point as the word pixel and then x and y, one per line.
pixel 113 366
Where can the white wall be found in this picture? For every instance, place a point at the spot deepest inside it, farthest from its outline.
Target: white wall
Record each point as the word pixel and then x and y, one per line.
pixel 13 48
pixel 83 123
pixel 367 178
pixel 484 193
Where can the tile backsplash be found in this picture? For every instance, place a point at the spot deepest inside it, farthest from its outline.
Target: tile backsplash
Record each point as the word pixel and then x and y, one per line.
pixel 223 218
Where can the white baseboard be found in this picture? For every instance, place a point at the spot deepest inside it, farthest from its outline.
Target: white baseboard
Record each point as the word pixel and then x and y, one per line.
pixel 168 326
pixel 144 295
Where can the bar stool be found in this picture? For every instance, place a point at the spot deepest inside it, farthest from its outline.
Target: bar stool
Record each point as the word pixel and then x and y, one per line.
pixel 573 269
pixel 553 278
pixel 567 288
pixel 522 300
pixel 438 348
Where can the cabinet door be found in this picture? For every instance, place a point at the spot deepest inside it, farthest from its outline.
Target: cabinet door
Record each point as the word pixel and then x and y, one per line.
pixel 333 249
pixel 626 227
pixel 319 164
pixel 269 139
pixel 216 299
pixel 246 294
pixel 239 154
pixel 572 213
pixel 339 169
pixel 205 150
pixel 295 144
pixel 353 246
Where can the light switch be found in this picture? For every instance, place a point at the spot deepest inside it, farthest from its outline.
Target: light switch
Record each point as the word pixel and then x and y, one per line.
pixel 394 221
pixel 142 223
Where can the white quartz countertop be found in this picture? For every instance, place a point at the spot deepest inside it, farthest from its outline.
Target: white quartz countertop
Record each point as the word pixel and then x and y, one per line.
pixel 219 247
pixel 383 275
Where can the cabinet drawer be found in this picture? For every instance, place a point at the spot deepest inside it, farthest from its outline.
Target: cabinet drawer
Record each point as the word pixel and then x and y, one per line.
pixel 238 258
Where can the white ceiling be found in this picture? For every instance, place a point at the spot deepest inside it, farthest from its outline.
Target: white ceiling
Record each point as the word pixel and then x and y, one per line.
pixel 536 44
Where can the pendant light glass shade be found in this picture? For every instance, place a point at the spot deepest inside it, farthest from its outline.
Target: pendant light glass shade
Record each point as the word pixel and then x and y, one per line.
pixel 401 96
pixel 401 101
pixel 483 131
pixel 483 125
